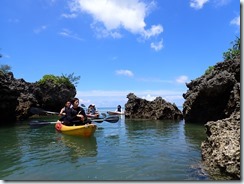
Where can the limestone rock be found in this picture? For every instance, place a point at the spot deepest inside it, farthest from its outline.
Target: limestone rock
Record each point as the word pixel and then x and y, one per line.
pixel 156 109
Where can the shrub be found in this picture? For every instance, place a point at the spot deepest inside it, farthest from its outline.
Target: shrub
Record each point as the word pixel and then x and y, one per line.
pixel 5 69
pixel 233 52
pixel 57 80
pixel 210 68
pixel 73 79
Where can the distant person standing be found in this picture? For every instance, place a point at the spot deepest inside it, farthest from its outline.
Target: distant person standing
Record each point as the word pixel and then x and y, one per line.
pixel 119 109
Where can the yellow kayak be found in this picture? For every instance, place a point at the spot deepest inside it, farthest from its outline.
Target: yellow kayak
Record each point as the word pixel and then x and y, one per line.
pixel 81 130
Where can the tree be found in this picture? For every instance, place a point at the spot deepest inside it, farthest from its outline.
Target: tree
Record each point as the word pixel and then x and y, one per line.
pixel 233 52
pixel 73 79
pixel 69 80
pixel 4 68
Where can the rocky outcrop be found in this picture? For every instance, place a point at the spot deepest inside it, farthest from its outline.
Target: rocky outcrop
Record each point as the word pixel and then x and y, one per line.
pixel 8 99
pixel 17 96
pixel 214 99
pixel 214 96
pixel 156 109
pixel 221 150
pixel 52 97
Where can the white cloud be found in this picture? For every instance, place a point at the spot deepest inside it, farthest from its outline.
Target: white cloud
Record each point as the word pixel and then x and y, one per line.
pixel 69 16
pixel 235 21
pixel 149 97
pixel 221 2
pixel 40 29
pixel 157 46
pixel 198 4
pixel 125 72
pixel 154 31
pixel 101 32
pixel 182 79
pixel 111 15
pixel 69 34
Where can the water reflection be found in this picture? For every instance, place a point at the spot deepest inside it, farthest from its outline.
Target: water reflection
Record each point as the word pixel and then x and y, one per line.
pixel 195 133
pixel 126 150
pixel 80 146
pixel 10 153
pixel 168 141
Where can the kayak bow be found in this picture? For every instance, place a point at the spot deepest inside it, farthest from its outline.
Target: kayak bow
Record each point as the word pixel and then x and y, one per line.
pixel 80 130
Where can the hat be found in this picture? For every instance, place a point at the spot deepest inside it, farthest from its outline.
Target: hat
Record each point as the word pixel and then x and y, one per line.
pixel 93 104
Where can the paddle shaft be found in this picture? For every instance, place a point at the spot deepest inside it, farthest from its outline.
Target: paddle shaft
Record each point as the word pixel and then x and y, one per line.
pixel 37 110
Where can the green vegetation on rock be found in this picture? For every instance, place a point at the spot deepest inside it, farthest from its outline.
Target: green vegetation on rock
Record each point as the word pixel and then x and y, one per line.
pixel 68 80
pixel 233 52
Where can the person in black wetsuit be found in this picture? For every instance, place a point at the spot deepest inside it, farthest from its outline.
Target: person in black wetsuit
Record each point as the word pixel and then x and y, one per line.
pixel 66 113
pixel 119 109
pixel 78 113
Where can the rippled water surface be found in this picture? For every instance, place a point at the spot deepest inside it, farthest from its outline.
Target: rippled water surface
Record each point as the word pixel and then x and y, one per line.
pixel 126 150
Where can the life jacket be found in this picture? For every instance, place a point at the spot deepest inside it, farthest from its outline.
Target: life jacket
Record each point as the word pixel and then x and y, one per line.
pixel 78 110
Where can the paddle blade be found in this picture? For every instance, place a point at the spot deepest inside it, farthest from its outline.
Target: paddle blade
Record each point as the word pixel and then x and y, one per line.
pixel 103 114
pixel 36 110
pixel 97 120
pixel 112 119
pixel 38 124
pixel 82 105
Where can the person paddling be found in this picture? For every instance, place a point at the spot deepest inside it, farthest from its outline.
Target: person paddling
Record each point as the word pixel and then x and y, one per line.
pixel 66 114
pixel 79 114
pixel 92 112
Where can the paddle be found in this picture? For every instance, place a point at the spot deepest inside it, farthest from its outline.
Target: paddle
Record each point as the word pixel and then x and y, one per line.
pixel 82 105
pixel 111 119
pixel 37 110
pixel 103 114
pixel 37 124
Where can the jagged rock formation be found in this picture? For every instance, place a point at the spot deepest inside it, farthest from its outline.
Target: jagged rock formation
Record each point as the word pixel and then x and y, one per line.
pixel 17 96
pixel 213 96
pixel 156 109
pixel 8 98
pixel 52 97
pixel 214 99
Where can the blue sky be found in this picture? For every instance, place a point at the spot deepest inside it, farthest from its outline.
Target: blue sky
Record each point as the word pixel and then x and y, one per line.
pixel 148 47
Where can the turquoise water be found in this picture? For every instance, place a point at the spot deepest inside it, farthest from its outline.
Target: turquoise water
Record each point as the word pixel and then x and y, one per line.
pixel 128 150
